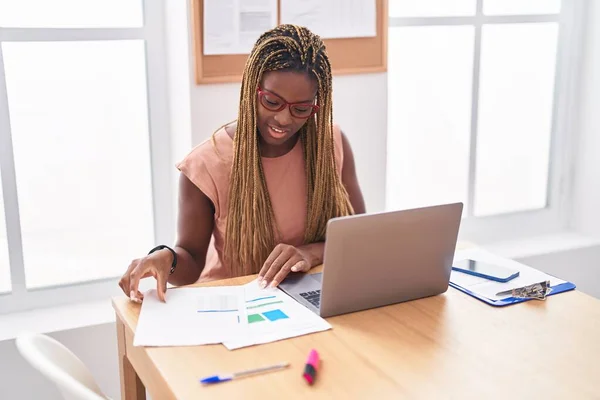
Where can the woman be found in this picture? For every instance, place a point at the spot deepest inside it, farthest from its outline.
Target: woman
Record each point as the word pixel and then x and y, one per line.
pixel 265 186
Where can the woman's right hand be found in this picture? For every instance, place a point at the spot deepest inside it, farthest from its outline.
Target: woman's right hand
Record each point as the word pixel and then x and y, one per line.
pixel 157 264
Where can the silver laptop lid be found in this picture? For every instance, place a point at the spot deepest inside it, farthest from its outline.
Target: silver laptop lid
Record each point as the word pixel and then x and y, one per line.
pixel 373 260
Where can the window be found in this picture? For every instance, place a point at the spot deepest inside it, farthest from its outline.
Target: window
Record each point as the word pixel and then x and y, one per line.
pixel 82 92
pixel 476 106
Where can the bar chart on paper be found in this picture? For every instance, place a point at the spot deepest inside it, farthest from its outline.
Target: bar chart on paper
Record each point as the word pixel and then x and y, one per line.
pixel 262 309
pixel 273 315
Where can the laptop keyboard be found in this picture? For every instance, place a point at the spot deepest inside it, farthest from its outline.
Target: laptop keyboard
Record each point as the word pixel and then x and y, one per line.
pixel 313 297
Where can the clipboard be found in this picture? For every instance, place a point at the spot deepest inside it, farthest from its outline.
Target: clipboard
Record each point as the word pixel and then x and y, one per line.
pixel 561 288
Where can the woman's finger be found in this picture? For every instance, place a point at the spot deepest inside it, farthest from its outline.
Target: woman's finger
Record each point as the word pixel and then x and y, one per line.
pixel 275 267
pixel 124 281
pixel 285 270
pixel 303 266
pixel 269 261
pixel 161 286
pixel 134 279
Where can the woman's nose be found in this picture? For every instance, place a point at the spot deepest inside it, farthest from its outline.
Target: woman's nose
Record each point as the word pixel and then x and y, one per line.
pixel 284 117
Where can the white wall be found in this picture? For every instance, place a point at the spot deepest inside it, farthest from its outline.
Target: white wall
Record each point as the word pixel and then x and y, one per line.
pixel 179 76
pixel 586 204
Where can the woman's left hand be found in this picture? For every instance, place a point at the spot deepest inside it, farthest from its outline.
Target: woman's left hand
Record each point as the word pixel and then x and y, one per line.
pixel 283 259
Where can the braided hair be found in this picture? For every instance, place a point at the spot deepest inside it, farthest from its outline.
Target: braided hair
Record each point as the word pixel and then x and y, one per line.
pixel 251 226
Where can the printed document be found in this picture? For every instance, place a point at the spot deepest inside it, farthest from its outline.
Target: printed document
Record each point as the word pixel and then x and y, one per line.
pixel 237 316
pixel 332 19
pixel 192 316
pixel 233 26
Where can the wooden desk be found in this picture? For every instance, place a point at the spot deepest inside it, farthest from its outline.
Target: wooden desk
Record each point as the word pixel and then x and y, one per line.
pixel 447 346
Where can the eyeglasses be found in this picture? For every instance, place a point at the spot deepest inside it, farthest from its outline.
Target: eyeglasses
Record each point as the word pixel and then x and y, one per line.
pixel 272 102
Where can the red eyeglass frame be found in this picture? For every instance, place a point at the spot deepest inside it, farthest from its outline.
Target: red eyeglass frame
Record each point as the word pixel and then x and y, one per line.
pixel 263 92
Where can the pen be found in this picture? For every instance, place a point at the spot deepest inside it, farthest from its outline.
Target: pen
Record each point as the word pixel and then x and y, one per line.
pixel 312 364
pixel 225 378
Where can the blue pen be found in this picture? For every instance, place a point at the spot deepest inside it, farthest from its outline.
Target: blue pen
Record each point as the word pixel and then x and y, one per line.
pixel 225 378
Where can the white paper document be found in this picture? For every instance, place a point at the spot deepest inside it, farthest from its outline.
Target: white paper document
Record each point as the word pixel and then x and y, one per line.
pixel 273 315
pixel 233 26
pixel 332 19
pixel 192 316
pixel 237 316
pixel 488 288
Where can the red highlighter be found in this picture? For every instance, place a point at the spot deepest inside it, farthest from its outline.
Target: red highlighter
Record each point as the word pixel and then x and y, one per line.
pixel 312 365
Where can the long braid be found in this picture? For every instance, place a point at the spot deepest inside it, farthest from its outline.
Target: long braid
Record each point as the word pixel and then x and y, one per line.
pixel 250 232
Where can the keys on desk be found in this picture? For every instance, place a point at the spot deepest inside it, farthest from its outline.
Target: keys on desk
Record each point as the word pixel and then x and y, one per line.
pixel 313 297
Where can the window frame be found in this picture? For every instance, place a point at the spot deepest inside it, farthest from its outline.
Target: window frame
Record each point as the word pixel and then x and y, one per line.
pixel 152 32
pixel 554 217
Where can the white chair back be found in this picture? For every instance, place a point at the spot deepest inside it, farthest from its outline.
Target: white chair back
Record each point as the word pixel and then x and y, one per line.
pixel 57 363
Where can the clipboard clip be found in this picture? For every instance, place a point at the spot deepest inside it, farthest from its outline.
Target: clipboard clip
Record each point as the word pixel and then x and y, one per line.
pixel 538 291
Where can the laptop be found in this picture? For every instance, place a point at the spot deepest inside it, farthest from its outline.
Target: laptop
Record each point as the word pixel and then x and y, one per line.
pixel 373 260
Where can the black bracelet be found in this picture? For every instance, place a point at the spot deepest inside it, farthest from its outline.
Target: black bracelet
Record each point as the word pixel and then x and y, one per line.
pixel 162 246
